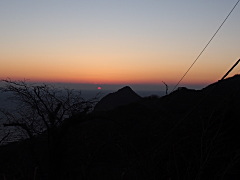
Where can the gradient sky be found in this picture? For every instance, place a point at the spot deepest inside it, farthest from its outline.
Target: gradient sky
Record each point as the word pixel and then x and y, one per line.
pixel 118 41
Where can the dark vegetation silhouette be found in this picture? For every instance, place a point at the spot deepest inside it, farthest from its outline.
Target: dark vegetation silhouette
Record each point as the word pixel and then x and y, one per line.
pixel 187 134
pixel 40 110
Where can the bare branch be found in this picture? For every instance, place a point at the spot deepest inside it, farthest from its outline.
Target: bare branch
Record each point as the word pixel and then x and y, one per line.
pixel 22 125
pixel 4 138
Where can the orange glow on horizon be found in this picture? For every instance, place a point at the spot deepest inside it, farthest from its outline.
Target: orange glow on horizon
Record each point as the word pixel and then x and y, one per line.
pixel 110 81
pixel 114 70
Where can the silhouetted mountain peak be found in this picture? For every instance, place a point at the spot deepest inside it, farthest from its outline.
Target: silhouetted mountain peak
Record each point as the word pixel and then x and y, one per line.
pixel 121 97
pixel 126 91
pixel 126 88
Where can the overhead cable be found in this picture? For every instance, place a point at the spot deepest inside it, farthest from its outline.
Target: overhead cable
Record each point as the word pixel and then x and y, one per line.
pixel 205 46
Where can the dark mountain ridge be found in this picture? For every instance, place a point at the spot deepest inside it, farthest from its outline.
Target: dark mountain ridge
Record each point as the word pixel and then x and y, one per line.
pixel 187 134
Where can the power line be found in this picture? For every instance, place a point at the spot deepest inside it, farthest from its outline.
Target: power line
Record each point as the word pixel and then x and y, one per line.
pixel 205 46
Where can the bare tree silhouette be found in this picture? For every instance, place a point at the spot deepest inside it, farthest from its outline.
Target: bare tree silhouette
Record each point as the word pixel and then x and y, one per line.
pixel 42 109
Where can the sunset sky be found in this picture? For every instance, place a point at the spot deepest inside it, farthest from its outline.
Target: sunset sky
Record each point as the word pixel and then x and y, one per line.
pixel 118 41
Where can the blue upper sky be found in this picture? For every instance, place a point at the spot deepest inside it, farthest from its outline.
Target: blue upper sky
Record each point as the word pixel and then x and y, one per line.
pixel 117 42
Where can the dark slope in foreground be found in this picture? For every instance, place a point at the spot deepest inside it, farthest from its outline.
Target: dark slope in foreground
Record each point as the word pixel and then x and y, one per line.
pixel 186 135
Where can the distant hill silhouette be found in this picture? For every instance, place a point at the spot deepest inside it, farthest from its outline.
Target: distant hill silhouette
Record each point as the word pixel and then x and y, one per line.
pixel 122 97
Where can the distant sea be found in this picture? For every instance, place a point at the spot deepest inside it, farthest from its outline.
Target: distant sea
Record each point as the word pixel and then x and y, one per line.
pixel 92 93
pixel 5 103
pixel 86 94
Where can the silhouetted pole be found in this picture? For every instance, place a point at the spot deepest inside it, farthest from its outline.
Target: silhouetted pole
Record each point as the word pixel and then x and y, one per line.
pixel 230 70
pixel 166 87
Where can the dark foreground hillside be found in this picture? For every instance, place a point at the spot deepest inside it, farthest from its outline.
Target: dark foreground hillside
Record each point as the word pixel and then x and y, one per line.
pixel 186 135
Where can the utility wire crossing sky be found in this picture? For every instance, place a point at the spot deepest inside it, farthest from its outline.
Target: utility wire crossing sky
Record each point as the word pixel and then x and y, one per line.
pixel 206 46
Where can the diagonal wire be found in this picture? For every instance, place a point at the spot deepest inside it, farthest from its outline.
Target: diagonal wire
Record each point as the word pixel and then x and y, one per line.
pixel 206 46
